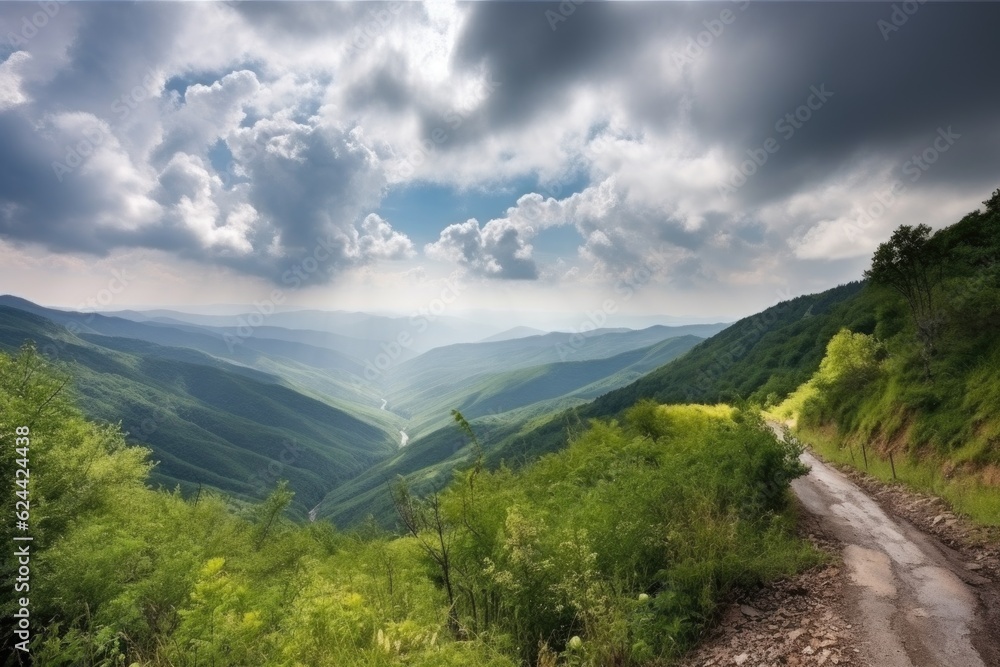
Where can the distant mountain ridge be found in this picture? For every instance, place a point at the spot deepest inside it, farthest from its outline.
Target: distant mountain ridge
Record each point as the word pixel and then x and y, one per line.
pixel 515 332
pixel 208 421
pixel 214 405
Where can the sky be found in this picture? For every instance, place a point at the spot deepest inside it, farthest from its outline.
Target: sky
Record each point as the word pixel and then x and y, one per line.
pixel 699 160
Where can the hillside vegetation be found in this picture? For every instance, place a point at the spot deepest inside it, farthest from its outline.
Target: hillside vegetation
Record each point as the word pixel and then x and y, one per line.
pixel 488 377
pixel 923 386
pixel 211 423
pixel 499 403
pixel 617 550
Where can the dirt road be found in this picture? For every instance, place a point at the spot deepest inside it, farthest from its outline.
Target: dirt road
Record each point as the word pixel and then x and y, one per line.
pixel 914 601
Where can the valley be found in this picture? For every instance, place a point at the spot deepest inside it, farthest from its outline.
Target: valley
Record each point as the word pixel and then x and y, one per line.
pixel 171 379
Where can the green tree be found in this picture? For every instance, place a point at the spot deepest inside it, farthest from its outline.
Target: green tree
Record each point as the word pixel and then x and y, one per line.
pixel 908 264
pixel 993 203
pixel 852 362
pixel 268 513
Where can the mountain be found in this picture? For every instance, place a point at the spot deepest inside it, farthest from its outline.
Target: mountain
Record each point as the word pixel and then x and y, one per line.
pixel 499 404
pixel 515 332
pixel 410 384
pixel 425 329
pixel 334 374
pixel 552 385
pixel 208 421
pixel 771 352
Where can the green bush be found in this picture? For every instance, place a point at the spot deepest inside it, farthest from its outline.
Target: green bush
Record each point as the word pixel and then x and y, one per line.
pixel 617 550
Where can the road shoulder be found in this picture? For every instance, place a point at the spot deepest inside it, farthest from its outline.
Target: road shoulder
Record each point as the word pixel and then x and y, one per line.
pixel 810 619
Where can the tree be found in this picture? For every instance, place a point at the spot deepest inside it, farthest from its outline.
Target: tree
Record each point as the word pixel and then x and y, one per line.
pixel 908 264
pixel 852 363
pixel 425 522
pixel 993 203
pixel 270 510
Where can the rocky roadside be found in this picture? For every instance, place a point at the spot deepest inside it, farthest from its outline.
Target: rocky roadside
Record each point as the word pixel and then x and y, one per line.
pixel 978 547
pixel 973 550
pixel 798 621
pixel 805 620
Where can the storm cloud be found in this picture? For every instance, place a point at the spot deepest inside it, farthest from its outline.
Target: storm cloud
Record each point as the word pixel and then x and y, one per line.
pixel 714 143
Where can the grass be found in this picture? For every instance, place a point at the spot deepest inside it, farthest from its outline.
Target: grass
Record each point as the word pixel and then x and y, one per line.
pixel 966 493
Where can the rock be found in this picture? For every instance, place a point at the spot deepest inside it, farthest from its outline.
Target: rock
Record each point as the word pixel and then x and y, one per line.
pixel 973 566
pixel 749 611
pixel 795 634
pixel 741 658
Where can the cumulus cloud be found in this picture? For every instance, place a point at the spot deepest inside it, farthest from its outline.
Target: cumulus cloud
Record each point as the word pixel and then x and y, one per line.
pixel 10 80
pixel 142 169
pixel 256 149
pixel 208 113
pixel 378 240
pixel 497 250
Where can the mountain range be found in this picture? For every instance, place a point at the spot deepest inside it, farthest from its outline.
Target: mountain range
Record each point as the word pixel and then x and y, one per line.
pixel 237 410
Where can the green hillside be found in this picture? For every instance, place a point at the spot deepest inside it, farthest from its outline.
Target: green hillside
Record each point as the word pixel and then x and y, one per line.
pixel 500 391
pixel 619 550
pixel 766 355
pixel 445 368
pixel 922 385
pixel 500 405
pixel 247 350
pixel 329 373
pixel 208 422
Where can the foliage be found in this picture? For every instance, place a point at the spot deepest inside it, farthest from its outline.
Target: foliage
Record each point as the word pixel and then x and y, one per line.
pixel 208 423
pixel 910 264
pixel 851 368
pixel 628 541
pixel 885 393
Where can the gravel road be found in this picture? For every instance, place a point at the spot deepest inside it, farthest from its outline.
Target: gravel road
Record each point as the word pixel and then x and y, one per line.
pixel 914 601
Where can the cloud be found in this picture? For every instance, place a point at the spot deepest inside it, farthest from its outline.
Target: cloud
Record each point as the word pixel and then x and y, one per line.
pixel 140 174
pixel 380 241
pixel 498 250
pixel 254 150
pixel 208 113
pixel 10 80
